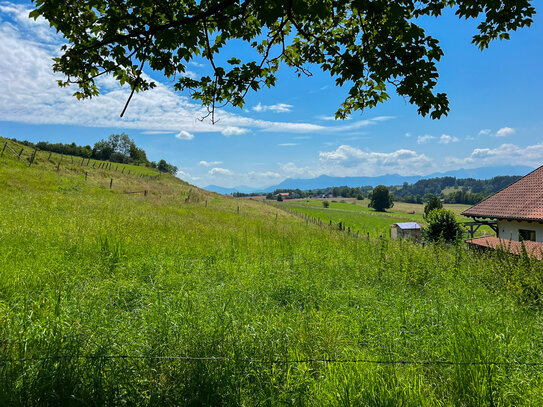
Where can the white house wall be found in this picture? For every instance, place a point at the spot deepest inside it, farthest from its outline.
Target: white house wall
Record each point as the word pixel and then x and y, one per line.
pixel 509 229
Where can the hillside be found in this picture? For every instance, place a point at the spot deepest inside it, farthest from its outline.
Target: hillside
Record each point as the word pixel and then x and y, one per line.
pixel 185 297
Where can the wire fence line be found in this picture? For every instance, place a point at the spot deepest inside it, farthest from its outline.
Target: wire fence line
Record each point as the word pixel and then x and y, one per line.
pixel 274 361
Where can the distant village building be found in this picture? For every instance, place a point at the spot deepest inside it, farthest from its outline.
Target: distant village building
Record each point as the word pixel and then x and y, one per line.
pixel 516 214
pixel 406 230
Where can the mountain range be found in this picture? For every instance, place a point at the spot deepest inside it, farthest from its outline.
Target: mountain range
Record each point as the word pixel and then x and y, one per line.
pixel 325 181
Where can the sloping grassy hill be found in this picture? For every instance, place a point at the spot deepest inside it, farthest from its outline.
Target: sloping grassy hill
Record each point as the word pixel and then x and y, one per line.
pixel 104 295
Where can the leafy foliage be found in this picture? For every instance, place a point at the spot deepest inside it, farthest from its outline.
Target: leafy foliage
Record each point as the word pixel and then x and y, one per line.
pixel 433 203
pixel 380 198
pixel 365 46
pixel 442 226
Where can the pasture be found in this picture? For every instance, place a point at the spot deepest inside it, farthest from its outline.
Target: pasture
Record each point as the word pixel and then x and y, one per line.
pixel 109 298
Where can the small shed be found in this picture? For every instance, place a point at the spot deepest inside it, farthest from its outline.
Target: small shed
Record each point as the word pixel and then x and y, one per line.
pixel 406 230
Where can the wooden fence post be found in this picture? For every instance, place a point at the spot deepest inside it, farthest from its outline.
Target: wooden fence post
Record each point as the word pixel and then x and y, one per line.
pixel 5 145
pixel 58 166
pixel 21 152
pixel 145 193
pixel 82 160
pixel 238 210
pixel 206 203
pixel 48 158
pixel 33 157
pixel 110 183
pixel 122 172
pixel 86 175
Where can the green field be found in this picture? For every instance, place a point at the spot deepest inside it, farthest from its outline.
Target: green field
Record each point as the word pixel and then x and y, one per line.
pixel 104 295
pixel 356 214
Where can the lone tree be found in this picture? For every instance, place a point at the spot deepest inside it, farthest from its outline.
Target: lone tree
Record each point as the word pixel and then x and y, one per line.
pixel 433 203
pixel 380 199
pixel 371 47
pixel 442 226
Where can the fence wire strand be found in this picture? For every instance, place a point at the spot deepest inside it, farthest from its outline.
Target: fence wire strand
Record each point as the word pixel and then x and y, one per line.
pixel 275 361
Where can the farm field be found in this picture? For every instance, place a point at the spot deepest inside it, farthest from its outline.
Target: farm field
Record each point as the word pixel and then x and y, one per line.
pixel 184 297
pixel 356 214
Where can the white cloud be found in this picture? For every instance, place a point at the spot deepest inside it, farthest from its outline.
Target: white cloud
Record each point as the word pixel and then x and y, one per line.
pixel 233 131
pixel 302 138
pixel 209 163
pixel 30 93
pixel 348 160
pixel 485 132
pixel 287 144
pixel 277 108
pixel 264 176
pixel 220 171
pixel 424 139
pixel 408 135
pixel 505 132
pixel 184 135
pixel 446 139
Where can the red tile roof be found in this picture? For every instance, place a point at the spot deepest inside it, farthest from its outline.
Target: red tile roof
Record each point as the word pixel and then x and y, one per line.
pixel 534 249
pixel 522 200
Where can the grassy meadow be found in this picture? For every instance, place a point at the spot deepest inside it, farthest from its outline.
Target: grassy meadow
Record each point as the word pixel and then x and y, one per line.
pixel 356 214
pixel 100 291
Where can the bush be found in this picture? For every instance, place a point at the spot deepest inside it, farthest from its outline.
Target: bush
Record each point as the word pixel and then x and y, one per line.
pixel 326 204
pixel 433 203
pixel 442 226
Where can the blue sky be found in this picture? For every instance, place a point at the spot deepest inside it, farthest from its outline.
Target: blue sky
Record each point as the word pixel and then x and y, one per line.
pixel 495 98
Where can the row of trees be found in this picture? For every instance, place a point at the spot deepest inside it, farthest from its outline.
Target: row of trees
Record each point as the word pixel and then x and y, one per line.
pixel 117 148
pixel 467 190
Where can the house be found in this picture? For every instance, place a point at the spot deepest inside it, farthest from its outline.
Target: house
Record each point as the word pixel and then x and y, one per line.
pixel 406 230
pixel 517 212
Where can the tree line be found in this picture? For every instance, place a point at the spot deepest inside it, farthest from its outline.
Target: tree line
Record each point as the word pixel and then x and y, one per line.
pixel 466 190
pixel 118 148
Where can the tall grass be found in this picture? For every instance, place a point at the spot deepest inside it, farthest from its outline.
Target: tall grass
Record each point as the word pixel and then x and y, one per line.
pixel 88 273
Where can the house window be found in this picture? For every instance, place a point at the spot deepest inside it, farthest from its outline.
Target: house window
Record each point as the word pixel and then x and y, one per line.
pixel 524 234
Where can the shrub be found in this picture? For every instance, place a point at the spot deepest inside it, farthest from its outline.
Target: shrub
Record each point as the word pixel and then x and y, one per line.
pixel 433 203
pixel 442 226
pixel 326 204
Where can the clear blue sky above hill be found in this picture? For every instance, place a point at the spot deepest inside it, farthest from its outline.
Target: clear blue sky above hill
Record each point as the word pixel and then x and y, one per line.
pixel 495 119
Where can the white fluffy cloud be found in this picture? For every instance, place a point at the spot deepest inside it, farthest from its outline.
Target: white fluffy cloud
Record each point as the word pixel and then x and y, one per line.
pixel 353 161
pixel 424 139
pixel 233 131
pixel 505 132
pixel 485 132
pixel 277 108
pixel 30 93
pixel 220 171
pixel 184 135
pixel 209 163
pixel 446 139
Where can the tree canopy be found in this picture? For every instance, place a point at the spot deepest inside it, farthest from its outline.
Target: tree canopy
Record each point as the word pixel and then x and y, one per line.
pixel 381 199
pixel 370 47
